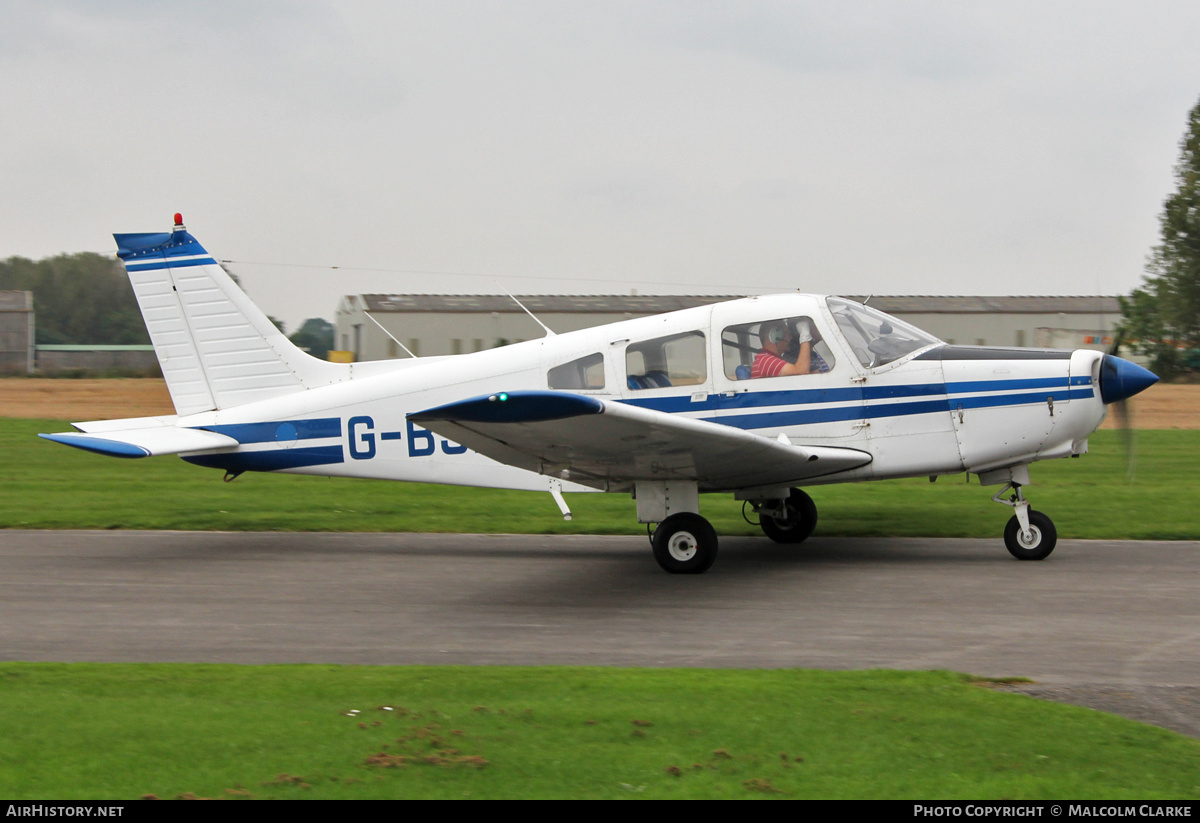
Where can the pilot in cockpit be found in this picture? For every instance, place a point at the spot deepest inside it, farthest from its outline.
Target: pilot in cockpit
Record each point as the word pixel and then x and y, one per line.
pixel 787 350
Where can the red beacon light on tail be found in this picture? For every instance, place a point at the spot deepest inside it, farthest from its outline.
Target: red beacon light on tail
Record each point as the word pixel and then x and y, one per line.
pixel 178 220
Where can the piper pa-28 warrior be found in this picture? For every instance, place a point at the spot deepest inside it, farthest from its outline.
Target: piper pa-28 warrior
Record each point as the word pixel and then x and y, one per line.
pixel 755 397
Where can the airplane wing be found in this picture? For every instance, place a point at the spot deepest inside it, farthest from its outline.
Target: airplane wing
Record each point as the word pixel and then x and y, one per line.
pixel 141 437
pixel 608 444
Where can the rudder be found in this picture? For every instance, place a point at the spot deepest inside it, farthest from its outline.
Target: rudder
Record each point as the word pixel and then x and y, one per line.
pixel 216 348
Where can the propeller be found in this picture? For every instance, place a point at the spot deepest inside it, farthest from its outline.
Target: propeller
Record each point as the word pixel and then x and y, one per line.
pixel 1120 380
pixel 1122 418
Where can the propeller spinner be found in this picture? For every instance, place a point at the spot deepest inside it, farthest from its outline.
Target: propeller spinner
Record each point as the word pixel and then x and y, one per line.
pixel 1120 379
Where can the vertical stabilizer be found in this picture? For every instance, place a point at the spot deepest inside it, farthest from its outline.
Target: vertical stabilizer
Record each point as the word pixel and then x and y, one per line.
pixel 216 348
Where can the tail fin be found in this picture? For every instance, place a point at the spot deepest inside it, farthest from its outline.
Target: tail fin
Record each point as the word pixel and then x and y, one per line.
pixel 216 348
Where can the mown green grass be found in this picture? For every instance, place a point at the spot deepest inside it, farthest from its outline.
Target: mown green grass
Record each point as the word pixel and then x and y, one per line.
pixel 45 485
pixel 117 731
pixel 122 731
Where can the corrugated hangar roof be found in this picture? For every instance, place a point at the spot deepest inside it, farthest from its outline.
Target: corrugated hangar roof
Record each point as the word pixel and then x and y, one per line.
pixel 1032 304
pixel 656 303
pixel 572 303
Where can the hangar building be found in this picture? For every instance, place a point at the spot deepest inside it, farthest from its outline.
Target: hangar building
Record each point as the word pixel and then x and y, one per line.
pixel 16 332
pixel 432 324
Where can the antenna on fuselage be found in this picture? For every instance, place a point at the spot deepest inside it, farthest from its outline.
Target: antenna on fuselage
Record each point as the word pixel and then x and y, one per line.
pixel 389 334
pixel 549 331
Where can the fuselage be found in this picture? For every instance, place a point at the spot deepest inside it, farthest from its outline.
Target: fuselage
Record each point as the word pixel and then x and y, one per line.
pixel 916 404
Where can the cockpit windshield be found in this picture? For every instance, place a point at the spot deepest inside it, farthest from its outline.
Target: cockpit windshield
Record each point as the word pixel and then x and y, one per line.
pixel 876 338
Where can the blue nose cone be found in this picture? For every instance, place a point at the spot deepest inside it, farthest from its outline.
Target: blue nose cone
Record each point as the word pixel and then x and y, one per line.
pixel 1120 379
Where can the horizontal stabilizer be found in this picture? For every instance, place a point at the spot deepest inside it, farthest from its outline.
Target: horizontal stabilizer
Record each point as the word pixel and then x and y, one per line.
pixel 608 444
pixel 145 442
pixel 97 426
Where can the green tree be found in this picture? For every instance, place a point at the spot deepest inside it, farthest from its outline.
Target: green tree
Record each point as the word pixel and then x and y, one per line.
pixel 316 335
pixel 78 298
pixel 1162 318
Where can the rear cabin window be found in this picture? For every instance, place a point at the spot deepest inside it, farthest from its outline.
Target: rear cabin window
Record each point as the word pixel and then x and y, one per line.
pixel 742 345
pixel 676 360
pixel 583 373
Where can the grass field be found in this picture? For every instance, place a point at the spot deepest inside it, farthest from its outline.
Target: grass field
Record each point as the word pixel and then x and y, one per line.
pixel 124 731
pixel 48 486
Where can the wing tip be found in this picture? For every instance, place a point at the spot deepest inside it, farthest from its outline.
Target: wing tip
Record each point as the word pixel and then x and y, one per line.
pixel 99 445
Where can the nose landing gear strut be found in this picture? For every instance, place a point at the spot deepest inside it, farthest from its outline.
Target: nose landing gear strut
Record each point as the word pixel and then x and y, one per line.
pixel 1029 534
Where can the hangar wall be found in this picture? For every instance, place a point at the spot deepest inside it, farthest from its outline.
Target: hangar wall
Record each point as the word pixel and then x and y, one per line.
pixel 16 332
pixel 457 324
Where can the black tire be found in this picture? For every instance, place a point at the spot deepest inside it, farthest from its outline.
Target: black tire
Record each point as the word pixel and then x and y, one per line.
pixel 799 523
pixel 1045 536
pixel 685 543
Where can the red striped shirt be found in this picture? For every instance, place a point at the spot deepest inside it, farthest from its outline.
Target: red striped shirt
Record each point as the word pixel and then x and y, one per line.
pixel 766 365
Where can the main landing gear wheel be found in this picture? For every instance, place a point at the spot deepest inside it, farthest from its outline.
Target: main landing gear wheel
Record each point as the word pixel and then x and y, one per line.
pixel 685 543
pixel 1037 544
pixel 795 523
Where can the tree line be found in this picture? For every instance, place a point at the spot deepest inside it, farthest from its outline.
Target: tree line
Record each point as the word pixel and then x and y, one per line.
pixel 86 299
pixel 1162 317
pixel 82 298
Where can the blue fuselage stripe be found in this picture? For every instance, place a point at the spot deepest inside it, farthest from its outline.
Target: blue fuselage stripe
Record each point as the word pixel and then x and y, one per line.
pixel 1060 396
pixel 281 431
pixel 807 406
pixel 808 397
pixel 790 408
pixel 747 400
pixel 801 417
pixel 867 411
pixel 1015 385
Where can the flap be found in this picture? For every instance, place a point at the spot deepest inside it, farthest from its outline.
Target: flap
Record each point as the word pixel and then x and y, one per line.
pixel 608 444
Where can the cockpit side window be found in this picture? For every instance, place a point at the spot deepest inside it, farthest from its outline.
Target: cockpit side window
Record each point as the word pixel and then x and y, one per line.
pixel 582 373
pixel 676 360
pixel 773 348
pixel 876 338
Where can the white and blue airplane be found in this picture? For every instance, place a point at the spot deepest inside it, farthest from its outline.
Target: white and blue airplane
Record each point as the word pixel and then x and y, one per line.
pixel 662 407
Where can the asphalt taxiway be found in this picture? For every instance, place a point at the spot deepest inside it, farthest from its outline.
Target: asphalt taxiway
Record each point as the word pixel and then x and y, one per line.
pixel 1120 618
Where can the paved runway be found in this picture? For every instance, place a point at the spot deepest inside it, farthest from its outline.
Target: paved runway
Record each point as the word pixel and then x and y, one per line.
pixel 1118 619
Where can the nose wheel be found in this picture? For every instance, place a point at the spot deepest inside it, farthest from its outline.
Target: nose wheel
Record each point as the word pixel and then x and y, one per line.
pixel 1029 534
pixel 1034 542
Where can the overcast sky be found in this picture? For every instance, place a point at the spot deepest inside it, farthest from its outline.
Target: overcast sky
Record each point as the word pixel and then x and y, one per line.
pixel 573 146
